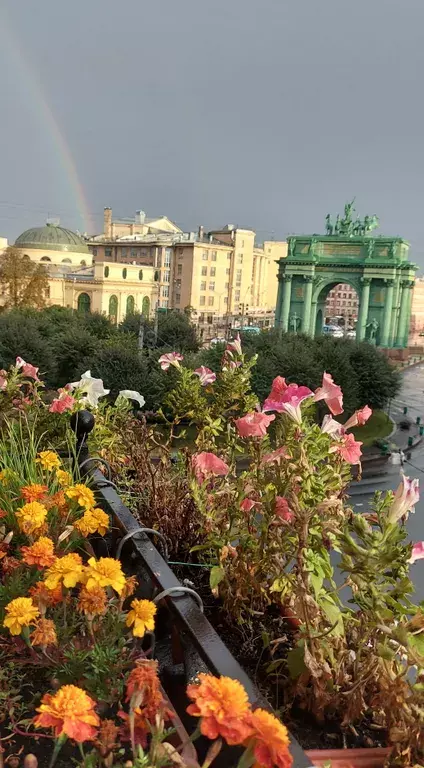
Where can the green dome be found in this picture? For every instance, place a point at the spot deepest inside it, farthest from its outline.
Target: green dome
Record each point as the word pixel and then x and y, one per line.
pixel 51 238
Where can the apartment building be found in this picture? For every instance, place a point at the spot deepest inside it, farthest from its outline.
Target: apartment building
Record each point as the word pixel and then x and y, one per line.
pixel 225 278
pixel 342 301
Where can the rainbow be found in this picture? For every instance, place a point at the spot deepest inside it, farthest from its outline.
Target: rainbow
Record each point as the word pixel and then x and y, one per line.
pixel 45 113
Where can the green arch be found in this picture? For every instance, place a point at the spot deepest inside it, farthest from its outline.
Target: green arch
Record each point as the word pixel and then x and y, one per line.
pixel 145 307
pixel 113 309
pixel 130 305
pixel 84 302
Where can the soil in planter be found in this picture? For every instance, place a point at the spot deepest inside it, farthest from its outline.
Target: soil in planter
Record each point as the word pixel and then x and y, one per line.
pixel 247 646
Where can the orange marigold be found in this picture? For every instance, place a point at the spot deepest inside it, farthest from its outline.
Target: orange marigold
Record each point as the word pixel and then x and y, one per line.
pixel 144 677
pixel 4 546
pixel 270 741
pixel 69 712
pixel 45 597
pixel 34 492
pixel 44 633
pixel 107 739
pixel 56 500
pixel 223 705
pixel 9 564
pixel 130 586
pixel 41 553
pixel 93 603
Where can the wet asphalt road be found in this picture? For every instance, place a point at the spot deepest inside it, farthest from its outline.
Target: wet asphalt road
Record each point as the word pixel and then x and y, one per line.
pixel 412 396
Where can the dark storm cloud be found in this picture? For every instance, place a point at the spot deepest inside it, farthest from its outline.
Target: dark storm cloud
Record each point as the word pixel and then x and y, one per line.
pixel 267 113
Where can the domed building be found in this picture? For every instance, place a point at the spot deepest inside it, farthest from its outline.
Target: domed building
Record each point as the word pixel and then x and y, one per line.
pixel 53 244
pixel 114 289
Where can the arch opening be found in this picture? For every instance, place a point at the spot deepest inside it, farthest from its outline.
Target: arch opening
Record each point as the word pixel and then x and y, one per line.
pixel 336 312
pixel 84 302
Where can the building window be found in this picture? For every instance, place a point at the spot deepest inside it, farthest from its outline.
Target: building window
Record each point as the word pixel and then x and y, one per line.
pixel 203 285
pixel 180 254
pixel 83 263
pixel 145 307
pixel 179 269
pixel 213 256
pixel 167 260
pixel 130 305
pixel 344 295
pixel 238 283
pixel 84 302
pixel 166 275
pixel 237 296
pixel 178 283
pixel 211 300
pixel 213 271
pixel 242 243
pixel 165 292
pixel 227 285
pixel 205 255
pixel 240 258
pixel 164 303
pixel 45 258
pixel 124 273
pixel 228 255
pixel 123 253
pixel 204 271
pixel 66 261
pixel 106 271
pixel 177 298
pixel 239 273
pixel 225 299
pixel 140 274
pixel 202 317
pixel 227 271
pixel 156 276
pixel 212 286
pixel 108 253
pixel 210 319
pixel 94 252
pixel 202 301
pixel 113 309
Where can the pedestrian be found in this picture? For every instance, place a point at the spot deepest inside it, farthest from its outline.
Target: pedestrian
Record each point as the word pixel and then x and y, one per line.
pixel 402 457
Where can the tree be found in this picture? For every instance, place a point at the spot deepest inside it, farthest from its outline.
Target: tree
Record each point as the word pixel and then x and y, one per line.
pixel 25 283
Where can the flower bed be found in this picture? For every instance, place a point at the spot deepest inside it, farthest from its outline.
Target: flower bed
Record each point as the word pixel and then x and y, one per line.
pixel 78 632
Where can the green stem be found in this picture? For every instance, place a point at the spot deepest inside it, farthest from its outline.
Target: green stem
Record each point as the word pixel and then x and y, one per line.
pixel 57 747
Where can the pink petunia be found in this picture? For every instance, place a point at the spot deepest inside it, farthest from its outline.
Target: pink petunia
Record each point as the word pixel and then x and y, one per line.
pixel 275 457
pixel 332 427
pixel 248 504
pixel 289 401
pixel 278 388
pixel 254 424
pixel 3 380
pixel 406 497
pixel 417 552
pixel 282 509
pixel 349 449
pixel 331 393
pixel 65 402
pixel 172 358
pixel 206 376
pixel 28 370
pixel 235 345
pixel 359 418
pixel 205 464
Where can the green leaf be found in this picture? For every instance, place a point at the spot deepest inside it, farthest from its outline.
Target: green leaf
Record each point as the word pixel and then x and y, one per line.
pixel 316 582
pixel 296 661
pixel 417 643
pixel 385 652
pixel 216 575
pixel 333 613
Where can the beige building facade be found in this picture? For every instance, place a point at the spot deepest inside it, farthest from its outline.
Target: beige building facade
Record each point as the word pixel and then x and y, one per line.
pixel 225 278
pixel 417 310
pixel 115 290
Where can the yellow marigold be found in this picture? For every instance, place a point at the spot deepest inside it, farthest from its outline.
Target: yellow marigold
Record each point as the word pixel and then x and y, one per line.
pixel 63 478
pixel 142 616
pixel 46 597
pixel 270 741
pixel 93 521
pixel 105 572
pixel 223 707
pixel 70 712
pixel 66 570
pixel 94 602
pixel 31 518
pixel 83 495
pixel 41 553
pixel 7 475
pixel 49 460
pixel 44 633
pixel 20 613
pixel 34 492
pixel 130 586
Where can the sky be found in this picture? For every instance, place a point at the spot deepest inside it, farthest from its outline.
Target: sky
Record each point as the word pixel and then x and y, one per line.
pixel 261 113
